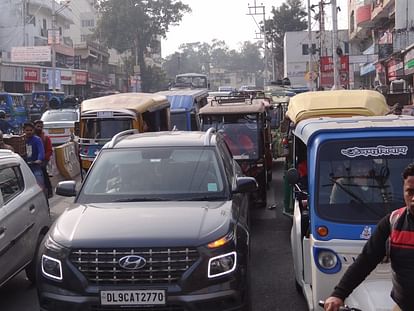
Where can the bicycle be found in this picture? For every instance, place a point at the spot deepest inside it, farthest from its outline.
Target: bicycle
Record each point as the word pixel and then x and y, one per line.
pixel 343 308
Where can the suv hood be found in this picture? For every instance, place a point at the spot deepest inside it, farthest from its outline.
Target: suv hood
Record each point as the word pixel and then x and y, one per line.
pixel 143 224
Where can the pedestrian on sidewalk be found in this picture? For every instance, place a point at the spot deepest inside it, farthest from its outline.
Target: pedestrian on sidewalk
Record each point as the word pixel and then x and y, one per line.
pixel 48 149
pixel 35 153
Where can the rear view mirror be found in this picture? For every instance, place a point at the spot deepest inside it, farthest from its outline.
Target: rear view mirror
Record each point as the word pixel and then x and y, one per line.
pixel 66 188
pixel 245 184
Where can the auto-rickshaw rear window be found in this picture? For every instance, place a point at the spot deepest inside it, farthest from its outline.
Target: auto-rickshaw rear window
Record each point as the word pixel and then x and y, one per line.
pixel 359 181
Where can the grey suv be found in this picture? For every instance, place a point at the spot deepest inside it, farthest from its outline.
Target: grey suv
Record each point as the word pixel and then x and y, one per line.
pixel 161 222
pixel 24 217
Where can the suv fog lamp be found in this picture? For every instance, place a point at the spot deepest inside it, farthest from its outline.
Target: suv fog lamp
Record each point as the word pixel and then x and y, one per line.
pixel 52 267
pixel 222 264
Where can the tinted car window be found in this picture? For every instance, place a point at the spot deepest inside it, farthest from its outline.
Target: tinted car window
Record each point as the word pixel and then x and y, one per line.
pixel 148 174
pixel 11 183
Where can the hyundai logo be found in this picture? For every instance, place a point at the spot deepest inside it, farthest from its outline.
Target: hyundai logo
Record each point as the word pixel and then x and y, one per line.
pixel 132 262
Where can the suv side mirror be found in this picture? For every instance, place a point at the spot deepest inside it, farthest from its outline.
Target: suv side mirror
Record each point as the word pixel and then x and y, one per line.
pixel 77 128
pixel 245 184
pixel 66 188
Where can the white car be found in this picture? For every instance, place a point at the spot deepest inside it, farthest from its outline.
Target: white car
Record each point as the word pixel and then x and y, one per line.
pixel 59 124
pixel 24 217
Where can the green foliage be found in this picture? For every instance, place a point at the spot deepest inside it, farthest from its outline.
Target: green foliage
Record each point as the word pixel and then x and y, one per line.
pixel 132 25
pixel 203 57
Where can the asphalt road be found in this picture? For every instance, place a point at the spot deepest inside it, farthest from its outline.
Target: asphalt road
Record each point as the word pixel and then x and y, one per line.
pixel 273 286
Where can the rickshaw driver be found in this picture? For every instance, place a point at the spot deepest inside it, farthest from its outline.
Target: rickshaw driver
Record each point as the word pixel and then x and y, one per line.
pixel 394 237
pixel 361 185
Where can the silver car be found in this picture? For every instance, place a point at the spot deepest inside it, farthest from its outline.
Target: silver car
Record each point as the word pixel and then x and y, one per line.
pixel 59 124
pixel 24 217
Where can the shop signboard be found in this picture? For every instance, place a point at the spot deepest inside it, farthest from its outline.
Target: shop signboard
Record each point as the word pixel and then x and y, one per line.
pixel 80 77
pixel 395 69
pixel 66 77
pixel 409 62
pixel 327 78
pixel 58 84
pixel 31 74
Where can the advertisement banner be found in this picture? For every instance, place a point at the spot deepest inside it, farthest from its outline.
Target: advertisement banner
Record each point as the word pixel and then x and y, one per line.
pixel 31 74
pixel 31 54
pixel 66 77
pixel 80 78
pixel 327 78
pixel 409 62
pixel 58 84
pixel 395 69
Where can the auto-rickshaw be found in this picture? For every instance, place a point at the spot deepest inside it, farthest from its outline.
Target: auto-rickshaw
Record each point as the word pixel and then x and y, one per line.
pixel 185 104
pixel 339 103
pixel 14 106
pixel 103 117
pixel 245 126
pixel 40 102
pixel 345 166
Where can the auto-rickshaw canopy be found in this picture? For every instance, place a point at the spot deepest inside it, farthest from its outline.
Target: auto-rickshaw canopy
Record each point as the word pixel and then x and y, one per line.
pixel 337 103
pixel 138 102
pixel 234 105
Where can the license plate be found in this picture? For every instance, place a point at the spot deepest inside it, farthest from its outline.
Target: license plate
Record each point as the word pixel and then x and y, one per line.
pixel 56 131
pixel 133 297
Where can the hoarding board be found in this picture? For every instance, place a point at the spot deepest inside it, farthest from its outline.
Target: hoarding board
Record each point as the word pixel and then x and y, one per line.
pixel 30 54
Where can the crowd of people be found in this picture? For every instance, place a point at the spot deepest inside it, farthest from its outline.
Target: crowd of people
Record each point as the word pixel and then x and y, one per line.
pixel 38 150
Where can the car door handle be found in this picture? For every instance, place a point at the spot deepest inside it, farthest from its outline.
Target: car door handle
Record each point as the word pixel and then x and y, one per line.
pixel 32 208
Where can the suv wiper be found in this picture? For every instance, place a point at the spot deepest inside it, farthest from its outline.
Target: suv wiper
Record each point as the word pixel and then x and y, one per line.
pixel 205 198
pixel 141 199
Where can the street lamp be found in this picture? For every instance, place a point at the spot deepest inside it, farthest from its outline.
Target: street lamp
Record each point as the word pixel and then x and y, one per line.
pixel 54 35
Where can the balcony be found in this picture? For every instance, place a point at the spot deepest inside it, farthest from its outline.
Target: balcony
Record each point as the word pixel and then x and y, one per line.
pixel 382 10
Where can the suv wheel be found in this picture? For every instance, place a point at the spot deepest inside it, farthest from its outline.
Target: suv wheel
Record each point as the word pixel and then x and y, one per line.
pixel 31 267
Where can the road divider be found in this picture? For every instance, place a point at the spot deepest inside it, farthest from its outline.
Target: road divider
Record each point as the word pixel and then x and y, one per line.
pixel 67 160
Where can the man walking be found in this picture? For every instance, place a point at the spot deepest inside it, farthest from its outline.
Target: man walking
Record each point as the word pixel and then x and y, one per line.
pixel 48 150
pixel 35 153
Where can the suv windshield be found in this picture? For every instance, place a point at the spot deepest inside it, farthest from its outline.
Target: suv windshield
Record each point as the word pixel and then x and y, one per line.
pixel 151 174
pixel 360 181
pixel 241 134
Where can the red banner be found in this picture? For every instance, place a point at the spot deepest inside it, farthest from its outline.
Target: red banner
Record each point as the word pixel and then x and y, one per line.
pixel 327 69
pixel 81 78
pixel 31 74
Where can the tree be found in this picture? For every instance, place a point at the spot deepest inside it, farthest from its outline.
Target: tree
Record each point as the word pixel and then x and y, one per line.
pixel 290 16
pixel 134 24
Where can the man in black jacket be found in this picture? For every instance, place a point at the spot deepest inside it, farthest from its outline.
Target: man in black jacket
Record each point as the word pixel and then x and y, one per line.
pixel 398 227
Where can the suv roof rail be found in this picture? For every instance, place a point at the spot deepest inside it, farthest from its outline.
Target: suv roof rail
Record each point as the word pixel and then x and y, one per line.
pixel 119 136
pixel 208 135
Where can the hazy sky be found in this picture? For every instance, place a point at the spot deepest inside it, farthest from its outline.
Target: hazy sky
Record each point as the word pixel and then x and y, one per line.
pixel 228 20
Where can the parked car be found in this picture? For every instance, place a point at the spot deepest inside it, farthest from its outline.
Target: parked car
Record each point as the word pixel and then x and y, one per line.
pixel 164 228
pixel 59 124
pixel 24 217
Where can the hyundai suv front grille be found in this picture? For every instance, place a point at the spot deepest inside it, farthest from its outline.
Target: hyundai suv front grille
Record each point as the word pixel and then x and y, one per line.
pixel 162 265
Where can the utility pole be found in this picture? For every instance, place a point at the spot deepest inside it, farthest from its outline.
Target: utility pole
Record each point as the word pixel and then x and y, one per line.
pixel 310 50
pixel 53 46
pixel 335 58
pixel 24 21
pixel 261 10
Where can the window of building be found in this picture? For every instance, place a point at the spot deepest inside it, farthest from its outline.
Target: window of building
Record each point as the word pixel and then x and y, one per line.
pixel 88 23
pixel 305 49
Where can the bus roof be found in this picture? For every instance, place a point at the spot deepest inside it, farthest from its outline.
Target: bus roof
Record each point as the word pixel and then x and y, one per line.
pixel 139 102
pixel 184 98
pixel 338 103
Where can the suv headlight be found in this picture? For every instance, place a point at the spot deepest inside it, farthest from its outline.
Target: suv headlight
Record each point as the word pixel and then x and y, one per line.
pixel 221 265
pixel 52 267
pixel 51 263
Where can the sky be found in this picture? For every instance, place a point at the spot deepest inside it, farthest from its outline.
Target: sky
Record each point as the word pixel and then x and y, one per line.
pixel 228 20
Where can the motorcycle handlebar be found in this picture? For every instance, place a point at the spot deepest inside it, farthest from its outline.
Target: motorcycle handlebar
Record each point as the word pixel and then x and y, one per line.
pixel 343 308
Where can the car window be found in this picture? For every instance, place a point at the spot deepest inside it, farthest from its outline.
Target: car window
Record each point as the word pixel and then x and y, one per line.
pixel 11 183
